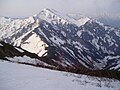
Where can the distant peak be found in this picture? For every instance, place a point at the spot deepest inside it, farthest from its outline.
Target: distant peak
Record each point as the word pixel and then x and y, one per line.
pixel 45 11
pixel 77 16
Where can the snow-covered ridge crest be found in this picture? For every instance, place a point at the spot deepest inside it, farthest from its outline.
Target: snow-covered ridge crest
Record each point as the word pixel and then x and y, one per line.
pixel 49 15
pixel 79 18
pixel 16 32
pixel 56 17
pixel 82 21
pixel 14 28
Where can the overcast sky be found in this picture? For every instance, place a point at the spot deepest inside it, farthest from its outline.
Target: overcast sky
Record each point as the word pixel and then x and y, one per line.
pixel 24 8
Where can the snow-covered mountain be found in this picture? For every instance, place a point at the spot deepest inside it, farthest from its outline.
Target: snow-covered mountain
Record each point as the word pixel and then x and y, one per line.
pixel 107 19
pixel 64 40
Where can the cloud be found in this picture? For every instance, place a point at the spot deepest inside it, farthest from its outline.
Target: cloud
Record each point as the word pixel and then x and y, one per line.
pixel 23 8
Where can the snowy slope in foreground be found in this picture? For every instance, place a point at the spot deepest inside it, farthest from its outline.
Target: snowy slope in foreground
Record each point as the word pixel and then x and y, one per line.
pixel 21 77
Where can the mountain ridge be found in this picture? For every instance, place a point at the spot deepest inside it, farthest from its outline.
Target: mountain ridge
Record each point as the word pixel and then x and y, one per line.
pixel 91 45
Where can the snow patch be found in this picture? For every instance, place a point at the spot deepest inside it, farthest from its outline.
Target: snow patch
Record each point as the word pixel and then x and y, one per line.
pixel 19 49
pixel 1 44
pixel 34 44
pixel 79 33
